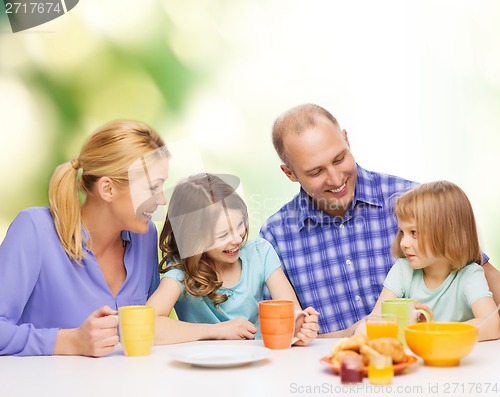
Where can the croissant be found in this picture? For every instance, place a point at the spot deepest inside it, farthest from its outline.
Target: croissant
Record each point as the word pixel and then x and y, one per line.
pixel 339 356
pixel 353 343
pixel 367 348
pixel 391 347
pixel 367 352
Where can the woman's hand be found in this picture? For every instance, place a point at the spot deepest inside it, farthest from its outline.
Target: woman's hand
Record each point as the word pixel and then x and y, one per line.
pixel 239 328
pixel 309 328
pixel 96 337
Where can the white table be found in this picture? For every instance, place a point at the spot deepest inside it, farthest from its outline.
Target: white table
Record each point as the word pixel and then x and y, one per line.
pixel 292 372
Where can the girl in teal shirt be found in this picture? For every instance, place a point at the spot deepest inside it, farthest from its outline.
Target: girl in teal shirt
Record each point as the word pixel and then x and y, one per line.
pixel 439 255
pixel 212 277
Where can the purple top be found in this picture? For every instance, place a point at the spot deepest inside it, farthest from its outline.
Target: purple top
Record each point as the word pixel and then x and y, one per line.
pixel 42 290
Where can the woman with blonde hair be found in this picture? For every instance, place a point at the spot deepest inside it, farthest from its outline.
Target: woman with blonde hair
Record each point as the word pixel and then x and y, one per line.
pixel 65 268
pixel 439 256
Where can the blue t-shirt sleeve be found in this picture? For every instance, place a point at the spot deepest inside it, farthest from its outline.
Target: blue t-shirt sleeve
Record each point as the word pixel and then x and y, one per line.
pixel 475 284
pixel 268 256
pixel 20 265
pixel 398 279
pixel 177 275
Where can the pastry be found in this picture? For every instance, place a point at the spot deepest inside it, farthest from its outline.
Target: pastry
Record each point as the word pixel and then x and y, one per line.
pixel 337 358
pixel 359 344
pixel 353 343
pixel 391 347
pixel 367 352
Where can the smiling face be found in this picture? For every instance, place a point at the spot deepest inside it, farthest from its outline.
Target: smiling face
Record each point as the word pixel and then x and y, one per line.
pixel 147 189
pixel 320 159
pixel 229 233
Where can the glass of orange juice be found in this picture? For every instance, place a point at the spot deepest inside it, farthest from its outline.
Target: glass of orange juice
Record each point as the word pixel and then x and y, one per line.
pixel 382 326
pixel 380 370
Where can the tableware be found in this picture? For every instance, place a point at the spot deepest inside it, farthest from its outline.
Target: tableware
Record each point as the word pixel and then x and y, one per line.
pixel 351 369
pixel 278 320
pixel 219 355
pixel 397 367
pixel 380 370
pixel 404 309
pixel 382 326
pixel 136 325
pixel 441 344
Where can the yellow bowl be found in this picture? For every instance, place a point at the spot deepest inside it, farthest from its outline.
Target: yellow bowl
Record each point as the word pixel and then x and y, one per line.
pixel 441 344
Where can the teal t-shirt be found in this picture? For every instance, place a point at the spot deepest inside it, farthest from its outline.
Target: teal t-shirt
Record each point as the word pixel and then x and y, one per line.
pixel 451 301
pixel 258 261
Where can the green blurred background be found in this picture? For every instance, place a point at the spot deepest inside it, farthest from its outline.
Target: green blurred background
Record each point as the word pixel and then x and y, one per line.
pixel 415 84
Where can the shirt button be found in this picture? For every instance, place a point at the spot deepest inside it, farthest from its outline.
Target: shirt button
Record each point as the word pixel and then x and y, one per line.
pixel 348 262
pixel 341 226
pixel 357 298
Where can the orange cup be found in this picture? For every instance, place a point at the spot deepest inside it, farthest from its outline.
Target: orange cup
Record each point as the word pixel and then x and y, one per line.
pixel 278 320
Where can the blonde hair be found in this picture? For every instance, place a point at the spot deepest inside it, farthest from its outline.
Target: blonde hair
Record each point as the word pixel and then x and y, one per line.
pixel 109 151
pixel 445 223
pixel 197 192
pixel 296 121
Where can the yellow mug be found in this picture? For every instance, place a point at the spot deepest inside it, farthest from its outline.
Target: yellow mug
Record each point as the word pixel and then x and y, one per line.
pixel 136 325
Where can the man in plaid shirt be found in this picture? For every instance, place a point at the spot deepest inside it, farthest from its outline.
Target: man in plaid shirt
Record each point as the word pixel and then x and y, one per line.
pixel 334 237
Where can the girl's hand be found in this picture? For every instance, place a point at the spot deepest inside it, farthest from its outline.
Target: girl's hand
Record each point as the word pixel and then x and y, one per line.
pixel 309 329
pixel 239 328
pixel 96 337
pixel 421 317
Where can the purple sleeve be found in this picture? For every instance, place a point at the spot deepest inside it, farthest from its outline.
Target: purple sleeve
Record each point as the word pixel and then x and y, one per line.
pixel 19 269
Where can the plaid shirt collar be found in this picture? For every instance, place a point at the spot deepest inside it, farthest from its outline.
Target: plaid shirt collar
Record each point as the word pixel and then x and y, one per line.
pixel 366 191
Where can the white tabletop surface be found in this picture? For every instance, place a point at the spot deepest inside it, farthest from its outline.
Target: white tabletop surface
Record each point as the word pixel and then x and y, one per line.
pixel 292 372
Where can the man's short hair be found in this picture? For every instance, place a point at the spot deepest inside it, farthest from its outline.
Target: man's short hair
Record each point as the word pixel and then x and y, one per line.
pixel 296 121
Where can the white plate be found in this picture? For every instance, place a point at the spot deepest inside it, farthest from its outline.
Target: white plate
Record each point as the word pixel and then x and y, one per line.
pixel 219 355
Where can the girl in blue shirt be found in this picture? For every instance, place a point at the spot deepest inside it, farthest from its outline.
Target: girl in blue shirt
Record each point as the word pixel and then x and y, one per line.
pixel 215 280
pixel 439 256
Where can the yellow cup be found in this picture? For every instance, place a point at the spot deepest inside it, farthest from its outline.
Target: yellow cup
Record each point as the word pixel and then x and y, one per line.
pixel 137 329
